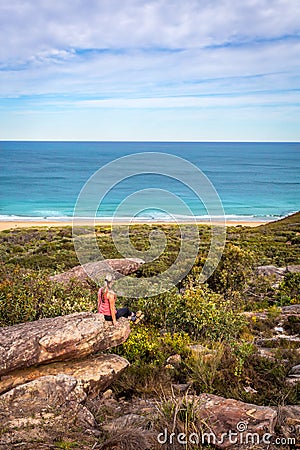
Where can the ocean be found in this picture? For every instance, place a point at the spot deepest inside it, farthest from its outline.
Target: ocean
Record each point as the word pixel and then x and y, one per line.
pixel 42 180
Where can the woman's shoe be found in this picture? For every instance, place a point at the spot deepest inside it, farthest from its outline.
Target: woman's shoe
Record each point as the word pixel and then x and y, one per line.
pixel 138 319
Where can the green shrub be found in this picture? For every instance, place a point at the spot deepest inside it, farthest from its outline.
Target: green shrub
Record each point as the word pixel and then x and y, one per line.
pixel 242 350
pixel 146 345
pixel 142 345
pixel 199 312
pixel 27 295
pixel 208 315
pixel 289 288
pixel 204 367
pixel 233 272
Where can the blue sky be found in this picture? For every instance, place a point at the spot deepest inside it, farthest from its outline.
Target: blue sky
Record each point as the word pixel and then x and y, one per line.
pixel 170 70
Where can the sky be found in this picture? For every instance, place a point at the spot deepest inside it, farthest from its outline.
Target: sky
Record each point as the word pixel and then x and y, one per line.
pixel 150 70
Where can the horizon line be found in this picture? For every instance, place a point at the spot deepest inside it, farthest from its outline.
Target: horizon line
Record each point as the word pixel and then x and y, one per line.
pixel 153 141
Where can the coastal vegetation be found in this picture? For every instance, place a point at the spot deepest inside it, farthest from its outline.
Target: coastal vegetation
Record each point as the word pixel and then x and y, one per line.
pixel 200 336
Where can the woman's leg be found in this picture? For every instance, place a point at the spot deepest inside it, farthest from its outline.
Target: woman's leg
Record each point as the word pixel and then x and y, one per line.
pixel 124 312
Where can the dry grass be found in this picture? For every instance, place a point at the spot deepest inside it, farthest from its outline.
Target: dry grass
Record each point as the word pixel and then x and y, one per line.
pixel 130 438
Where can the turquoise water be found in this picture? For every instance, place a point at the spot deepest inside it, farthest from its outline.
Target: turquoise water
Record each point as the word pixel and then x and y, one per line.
pixel 253 180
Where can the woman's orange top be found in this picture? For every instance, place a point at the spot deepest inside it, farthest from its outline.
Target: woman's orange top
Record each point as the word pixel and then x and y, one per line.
pixel 103 303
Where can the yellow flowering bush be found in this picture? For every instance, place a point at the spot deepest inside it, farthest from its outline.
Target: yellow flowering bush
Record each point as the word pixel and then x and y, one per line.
pixel 209 315
pixel 147 345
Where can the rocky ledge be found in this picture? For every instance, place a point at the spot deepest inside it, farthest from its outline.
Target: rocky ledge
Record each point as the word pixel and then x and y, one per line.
pixel 60 338
pixel 48 370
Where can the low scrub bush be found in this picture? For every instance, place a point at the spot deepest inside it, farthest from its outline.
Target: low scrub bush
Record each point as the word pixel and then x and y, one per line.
pixel 27 295
pixel 208 315
pixel 146 345
pixel 199 312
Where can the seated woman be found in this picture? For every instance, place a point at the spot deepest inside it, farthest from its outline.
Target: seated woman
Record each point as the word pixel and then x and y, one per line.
pixel 106 304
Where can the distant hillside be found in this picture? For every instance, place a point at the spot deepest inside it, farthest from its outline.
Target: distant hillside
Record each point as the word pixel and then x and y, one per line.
pixel 286 222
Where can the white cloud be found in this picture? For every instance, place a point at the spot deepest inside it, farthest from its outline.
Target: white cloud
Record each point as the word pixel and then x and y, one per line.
pixel 34 26
pixel 141 54
pixel 226 102
pixel 139 74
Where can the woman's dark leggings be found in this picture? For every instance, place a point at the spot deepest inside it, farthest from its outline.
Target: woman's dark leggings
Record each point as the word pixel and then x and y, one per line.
pixel 121 312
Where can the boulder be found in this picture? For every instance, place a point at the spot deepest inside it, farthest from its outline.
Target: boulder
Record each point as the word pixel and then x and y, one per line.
pixel 98 269
pixel 41 408
pixel 126 421
pixel 295 371
pixel 278 272
pixel 60 338
pixel 266 352
pixel 95 373
pixel 226 422
pixel 130 438
pixel 293 269
pixel 293 375
pixel 289 422
pixel 291 310
pixel 175 360
pixel 282 340
pixel 181 387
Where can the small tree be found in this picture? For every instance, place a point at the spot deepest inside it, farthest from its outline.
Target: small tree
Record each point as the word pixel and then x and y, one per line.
pixel 232 275
pixel 290 287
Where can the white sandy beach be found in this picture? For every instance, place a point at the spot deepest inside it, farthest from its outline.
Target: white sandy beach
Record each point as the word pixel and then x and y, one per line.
pixel 7 225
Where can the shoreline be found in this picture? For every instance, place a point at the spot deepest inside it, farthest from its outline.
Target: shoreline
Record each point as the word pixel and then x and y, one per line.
pixel 15 224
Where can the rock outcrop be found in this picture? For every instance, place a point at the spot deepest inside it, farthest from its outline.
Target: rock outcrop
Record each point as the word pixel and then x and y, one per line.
pixel 98 269
pixel 225 420
pixel 95 372
pixel 45 405
pixel 286 329
pixel 224 423
pixel 50 369
pixel 274 341
pixel 290 310
pixel 289 423
pixel 278 272
pixel 60 338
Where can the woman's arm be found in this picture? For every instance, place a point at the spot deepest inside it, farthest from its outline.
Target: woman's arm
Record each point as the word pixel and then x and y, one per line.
pixel 112 300
pixel 99 298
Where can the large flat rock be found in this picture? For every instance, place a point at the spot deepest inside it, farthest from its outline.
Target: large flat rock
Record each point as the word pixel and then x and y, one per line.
pixel 96 270
pixel 95 372
pixel 61 338
pixel 227 422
